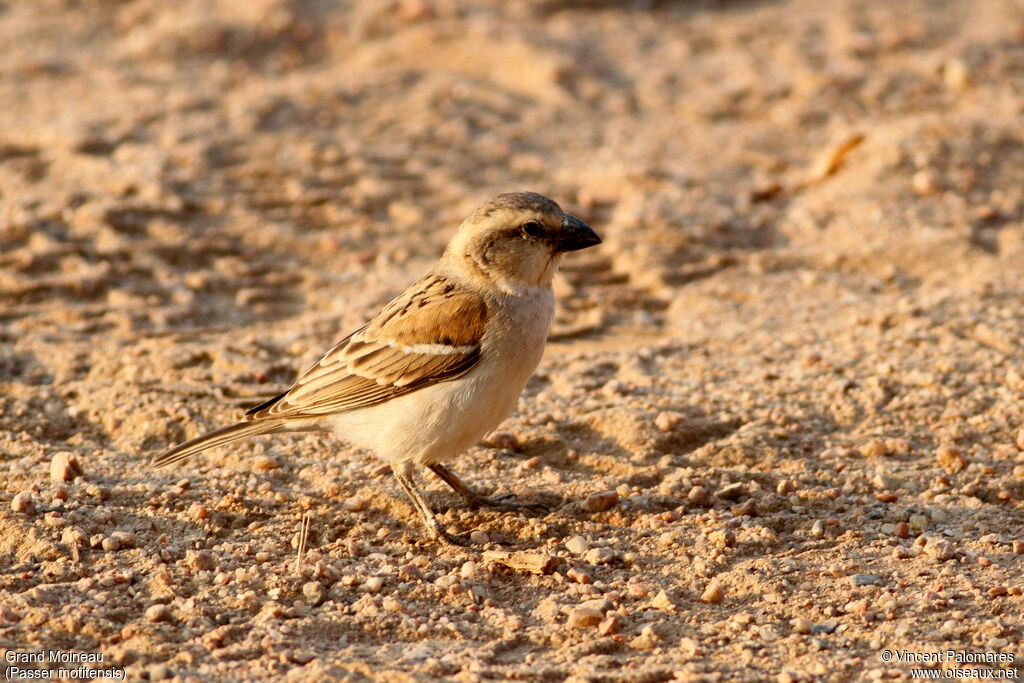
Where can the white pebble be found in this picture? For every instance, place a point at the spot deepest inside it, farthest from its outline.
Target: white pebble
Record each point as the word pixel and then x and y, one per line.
pixel 577 545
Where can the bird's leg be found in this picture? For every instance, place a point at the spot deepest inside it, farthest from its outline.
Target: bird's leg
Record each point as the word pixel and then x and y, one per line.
pixel 475 500
pixel 403 473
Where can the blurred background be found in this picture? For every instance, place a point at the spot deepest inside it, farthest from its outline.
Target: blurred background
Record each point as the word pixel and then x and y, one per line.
pixel 297 143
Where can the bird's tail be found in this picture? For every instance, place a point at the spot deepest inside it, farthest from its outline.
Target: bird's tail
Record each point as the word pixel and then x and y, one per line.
pixel 241 430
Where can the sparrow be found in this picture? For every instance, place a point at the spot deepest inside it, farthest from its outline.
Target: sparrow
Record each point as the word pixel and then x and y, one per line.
pixel 442 364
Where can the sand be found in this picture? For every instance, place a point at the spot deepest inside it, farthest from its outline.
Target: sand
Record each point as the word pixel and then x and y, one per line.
pixel 780 421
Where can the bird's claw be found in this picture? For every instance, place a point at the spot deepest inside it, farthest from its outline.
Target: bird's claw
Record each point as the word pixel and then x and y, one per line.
pixel 439 533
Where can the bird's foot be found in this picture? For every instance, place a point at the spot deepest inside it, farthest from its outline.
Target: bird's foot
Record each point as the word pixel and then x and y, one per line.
pixel 475 500
pixel 437 531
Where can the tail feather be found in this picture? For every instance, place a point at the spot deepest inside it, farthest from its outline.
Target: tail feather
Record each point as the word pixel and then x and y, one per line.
pixel 241 430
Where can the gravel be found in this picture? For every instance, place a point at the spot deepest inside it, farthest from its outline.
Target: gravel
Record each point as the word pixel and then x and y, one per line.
pixel 794 363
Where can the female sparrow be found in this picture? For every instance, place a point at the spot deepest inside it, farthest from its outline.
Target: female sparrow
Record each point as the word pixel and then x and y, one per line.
pixel 442 364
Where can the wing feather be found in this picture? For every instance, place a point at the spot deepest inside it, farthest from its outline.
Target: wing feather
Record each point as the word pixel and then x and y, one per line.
pixel 429 334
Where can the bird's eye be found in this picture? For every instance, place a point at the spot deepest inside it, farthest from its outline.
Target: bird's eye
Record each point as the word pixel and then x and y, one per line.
pixel 532 229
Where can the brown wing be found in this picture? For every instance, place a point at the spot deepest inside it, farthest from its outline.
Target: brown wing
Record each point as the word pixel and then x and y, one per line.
pixel 429 334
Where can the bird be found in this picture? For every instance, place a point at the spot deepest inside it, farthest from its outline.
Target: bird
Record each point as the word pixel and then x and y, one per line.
pixel 442 364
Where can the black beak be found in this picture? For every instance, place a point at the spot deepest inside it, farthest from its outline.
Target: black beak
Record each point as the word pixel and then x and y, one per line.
pixel 574 235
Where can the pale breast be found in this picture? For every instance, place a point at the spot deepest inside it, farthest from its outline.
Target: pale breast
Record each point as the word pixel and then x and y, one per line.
pixel 441 421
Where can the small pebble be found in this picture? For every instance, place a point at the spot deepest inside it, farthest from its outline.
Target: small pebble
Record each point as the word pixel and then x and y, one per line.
pixel 950 459
pixel 96 491
pixel 314 592
pixel 264 463
pixel 468 570
pixel 579 576
pixel 1018 547
pixel 157 613
pixel 956 74
pixel 24 503
pixel 997 591
pixel 747 508
pixel 158 672
pixel 825 627
pixel 577 545
pixel 663 602
pixel 1020 438
pixel 698 495
pixel 864 580
pixel 647 640
pixel 940 549
pixel 272 609
pixel 730 492
pixel 690 647
pixel 667 421
pixel 506 441
pixel 410 571
pixel 373 584
pixel 601 604
pixel 876 448
pixel 926 182
pixel 599 555
pixel 478 537
pixel 918 522
pixel 354 503
pixel 41 594
pixel 583 616
pixel 73 536
pixel 638 590
pixel 903 530
pixel 110 544
pixel 600 501
pixel 901 553
pixel 102 515
pixel 713 593
pixel 802 625
pixel 199 560
pixel 614 388
pixel 722 538
pixel 610 625
pixel 198 512
pixel 886 482
pixel 64 466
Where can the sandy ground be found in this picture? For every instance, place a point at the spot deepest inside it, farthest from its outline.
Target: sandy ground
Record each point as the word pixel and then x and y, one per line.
pixel 780 419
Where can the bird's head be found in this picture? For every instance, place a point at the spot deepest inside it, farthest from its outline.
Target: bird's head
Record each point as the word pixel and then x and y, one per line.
pixel 516 242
